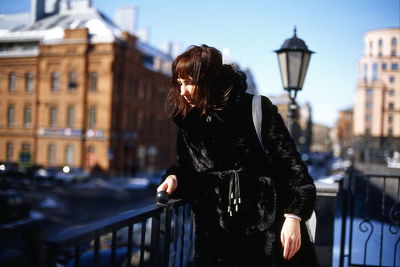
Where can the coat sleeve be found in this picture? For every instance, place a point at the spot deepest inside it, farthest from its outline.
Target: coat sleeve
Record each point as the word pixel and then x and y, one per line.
pixel 183 169
pixel 300 194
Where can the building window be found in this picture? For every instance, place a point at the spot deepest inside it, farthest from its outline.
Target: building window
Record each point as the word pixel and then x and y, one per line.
pixel 12 82
pixel 395 66
pixel 141 90
pixel 369 91
pixel 69 155
pixel 90 149
pixel 370 48
pixel 26 147
pixel 53 117
pixel 374 71
pixel 9 151
pixel 368 117
pixel 139 119
pixel 393 50
pixel 390 119
pixel 92 118
pixel 72 84
pixel 93 81
pixel 391 92
pixel 368 131
pixel 28 116
pixel 70 117
pixel 380 43
pixel 365 72
pixel 51 154
pixel 55 81
pixel 384 66
pixel 28 82
pixel 390 132
pixel 391 106
pixel 369 105
pixel 11 115
pixel 391 79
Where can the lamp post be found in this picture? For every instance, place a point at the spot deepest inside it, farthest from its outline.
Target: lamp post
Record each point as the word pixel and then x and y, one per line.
pixel 293 57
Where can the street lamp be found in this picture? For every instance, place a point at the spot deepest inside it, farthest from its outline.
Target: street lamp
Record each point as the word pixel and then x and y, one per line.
pixel 293 57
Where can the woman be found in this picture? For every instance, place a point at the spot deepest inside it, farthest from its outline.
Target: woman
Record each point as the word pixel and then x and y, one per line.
pixel 249 205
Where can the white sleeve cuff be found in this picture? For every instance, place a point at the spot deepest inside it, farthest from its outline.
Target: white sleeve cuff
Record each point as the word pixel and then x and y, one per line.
pixel 288 215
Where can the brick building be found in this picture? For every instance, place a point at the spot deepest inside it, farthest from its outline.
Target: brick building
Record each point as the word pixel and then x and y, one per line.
pixel 75 90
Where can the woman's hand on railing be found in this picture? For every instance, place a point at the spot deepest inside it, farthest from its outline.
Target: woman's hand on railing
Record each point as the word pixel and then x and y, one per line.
pixel 169 185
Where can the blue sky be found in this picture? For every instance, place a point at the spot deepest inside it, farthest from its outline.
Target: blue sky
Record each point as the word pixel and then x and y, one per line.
pixel 253 29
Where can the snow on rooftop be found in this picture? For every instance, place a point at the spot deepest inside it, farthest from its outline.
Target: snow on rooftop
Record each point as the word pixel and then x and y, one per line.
pixel 149 50
pixel 17 27
pixel 101 28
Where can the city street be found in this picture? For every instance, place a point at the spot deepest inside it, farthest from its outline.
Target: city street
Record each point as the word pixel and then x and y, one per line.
pixel 57 208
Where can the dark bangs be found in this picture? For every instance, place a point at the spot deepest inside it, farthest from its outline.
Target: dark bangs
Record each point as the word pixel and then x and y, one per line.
pixel 203 66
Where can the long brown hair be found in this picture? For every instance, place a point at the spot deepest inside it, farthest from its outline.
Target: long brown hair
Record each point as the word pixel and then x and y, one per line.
pixel 212 79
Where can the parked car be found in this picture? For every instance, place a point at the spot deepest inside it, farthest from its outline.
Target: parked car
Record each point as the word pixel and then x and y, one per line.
pixel 46 174
pixel 11 170
pixel 71 175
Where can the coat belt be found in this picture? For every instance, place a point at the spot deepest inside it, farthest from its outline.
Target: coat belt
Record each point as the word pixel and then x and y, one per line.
pixel 234 189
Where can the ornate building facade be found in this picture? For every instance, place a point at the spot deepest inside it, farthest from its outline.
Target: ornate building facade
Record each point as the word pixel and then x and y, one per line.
pixel 75 90
pixel 377 107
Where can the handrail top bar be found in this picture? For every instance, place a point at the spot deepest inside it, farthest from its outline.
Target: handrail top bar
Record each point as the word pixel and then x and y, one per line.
pixel 87 232
pixel 378 175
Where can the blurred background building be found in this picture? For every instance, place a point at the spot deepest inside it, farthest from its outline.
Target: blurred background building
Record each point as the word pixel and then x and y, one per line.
pixel 306 130
pixel 376 127
pixel 342 132
pixel 77 90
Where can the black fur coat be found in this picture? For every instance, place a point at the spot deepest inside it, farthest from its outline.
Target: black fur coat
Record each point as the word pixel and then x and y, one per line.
pixel 209 148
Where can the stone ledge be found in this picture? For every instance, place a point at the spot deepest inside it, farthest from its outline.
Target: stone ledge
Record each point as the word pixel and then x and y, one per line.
pixel 324 189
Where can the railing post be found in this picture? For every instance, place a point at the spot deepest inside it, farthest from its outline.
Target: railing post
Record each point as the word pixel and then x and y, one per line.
pixel 166 237
pixel 344 191
pixel 155 240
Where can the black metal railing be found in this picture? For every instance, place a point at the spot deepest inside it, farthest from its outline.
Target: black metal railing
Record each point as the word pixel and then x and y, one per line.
pixel 156 235
pixel 370 223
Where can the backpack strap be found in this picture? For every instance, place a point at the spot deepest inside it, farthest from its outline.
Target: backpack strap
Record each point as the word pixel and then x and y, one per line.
pixel 257 118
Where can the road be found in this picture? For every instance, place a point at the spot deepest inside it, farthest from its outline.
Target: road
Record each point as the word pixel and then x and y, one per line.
pixel 70 206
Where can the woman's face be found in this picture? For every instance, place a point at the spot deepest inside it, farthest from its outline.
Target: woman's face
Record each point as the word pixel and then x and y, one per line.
pixel 187 89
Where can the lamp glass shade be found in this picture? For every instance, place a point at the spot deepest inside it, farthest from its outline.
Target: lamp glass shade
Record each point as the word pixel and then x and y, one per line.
pixel 304 67
pixel 294 66
pixel 283 67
